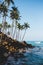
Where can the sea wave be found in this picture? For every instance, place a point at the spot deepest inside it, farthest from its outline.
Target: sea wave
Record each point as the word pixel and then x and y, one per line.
pixel 33 56
pixel 37 42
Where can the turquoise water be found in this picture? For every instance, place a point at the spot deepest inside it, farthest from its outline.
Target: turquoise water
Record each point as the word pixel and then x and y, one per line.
pixel 36 43
pixel 31 57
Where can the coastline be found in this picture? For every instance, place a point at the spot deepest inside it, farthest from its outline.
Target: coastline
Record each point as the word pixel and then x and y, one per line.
pixel 9 46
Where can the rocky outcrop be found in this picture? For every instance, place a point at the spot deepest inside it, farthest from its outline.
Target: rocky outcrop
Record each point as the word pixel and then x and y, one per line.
pixel 9 46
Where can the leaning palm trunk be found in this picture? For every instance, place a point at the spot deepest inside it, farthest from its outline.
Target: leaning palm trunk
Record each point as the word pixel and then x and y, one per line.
pixel 18 35
pixel 3 25
pixel 24 35
pixel 14 32
pixel 12 29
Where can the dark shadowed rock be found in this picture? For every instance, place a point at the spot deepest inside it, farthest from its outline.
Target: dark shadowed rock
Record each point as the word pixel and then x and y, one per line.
pixel 28 45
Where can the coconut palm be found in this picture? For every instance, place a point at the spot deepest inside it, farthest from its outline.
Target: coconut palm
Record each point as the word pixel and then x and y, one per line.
pixel 12 17
pixel 3 11
pixel 8 2
pixel 26 25
pixel 15 13
pixel 15 16
pixel 20 28
pixel 5 27
pixel 15 30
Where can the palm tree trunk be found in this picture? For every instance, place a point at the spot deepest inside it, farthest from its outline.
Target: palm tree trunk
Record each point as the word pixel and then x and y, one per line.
pixel 24 35
pixel 18 34
pixel 12 29
pixel 14 32
pixel 3 25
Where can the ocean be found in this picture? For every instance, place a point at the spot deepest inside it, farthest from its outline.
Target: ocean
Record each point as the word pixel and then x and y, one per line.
pixel 31 57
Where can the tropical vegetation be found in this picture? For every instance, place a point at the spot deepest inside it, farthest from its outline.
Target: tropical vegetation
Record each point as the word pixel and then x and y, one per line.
pixel 15 28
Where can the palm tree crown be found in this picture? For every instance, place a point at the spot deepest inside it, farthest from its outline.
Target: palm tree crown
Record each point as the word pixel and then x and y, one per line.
pixel 14 13
pixel 26 25
pixel 9 1
pixel 3 9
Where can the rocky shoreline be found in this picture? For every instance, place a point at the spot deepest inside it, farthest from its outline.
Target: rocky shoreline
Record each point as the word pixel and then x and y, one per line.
pixel 9 46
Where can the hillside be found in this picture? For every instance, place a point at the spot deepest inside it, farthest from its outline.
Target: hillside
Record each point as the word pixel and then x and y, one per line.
pixel 9 46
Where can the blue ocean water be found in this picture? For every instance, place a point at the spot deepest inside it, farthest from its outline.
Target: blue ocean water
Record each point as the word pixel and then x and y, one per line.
pixel 31 57
pixel 36 43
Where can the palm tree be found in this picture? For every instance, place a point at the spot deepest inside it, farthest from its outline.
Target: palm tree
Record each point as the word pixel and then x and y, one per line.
pixel 15 30
pixel 14 13
pixel 26 25
pixel 5 27
pixel 12 17
pixel 15 16
pixel 20 28
pixel 3 11
pixel 8 2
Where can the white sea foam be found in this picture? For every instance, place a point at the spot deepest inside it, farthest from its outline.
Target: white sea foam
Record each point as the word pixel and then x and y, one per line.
pixel 37 42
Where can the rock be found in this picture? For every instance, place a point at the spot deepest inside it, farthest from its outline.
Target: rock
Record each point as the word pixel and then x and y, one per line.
pixel 28 45
pixel 9 46
pixel 6 54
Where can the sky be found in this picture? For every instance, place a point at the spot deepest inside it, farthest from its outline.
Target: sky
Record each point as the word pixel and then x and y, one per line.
pixel 31 11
